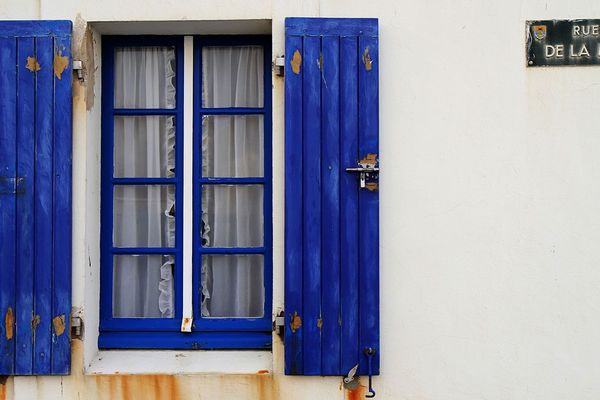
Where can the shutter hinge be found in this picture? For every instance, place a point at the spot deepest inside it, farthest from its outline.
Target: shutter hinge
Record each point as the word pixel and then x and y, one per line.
pixel 76 323
pixel 78 68
pixel 279 324
pixel 279 66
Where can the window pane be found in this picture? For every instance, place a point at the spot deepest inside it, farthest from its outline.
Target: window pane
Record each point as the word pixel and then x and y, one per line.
pixel 233 286
pixel 232 146
pixel 144 146
pixel 144 216
pixel 232 216
pixel 145 77
pixel 143 286
pixel 232 76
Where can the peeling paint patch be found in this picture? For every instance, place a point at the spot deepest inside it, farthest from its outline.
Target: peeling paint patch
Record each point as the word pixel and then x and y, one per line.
pixel 32 64
pixel 9 321
pixel 372 186
pixel 370 159
pixel 321 61
pixel 296 322
pixel 59 324
pixel 296 62
pixel 35 321
pixel 60 64
pixel 320 323
pixel 366 58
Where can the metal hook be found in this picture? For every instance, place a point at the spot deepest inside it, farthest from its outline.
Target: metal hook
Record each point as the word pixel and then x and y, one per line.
pixel 370 352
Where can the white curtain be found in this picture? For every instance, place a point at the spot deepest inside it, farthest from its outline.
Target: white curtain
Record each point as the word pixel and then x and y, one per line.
pixel 232 146
pixel 144 215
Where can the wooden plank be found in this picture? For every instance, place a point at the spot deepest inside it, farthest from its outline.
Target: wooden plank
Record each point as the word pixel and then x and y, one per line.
pixel 12 29
pixel 330 174
pixel 61 295
pixel 43 202
pixel 318 26
pixel 8 145
pixel 369 201
pixel 25 273
pixel 294 312
pixel 311 115
pixel 349 240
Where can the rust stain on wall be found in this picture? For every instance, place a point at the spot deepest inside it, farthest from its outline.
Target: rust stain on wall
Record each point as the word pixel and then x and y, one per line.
pixel 296 322
pixel 58 323
pixel 32 64
pixel 296 61
pixel 9 320
pixel 358 393
pixel 3 391
pixel 60 64
pixel 133 387
pixel 366 58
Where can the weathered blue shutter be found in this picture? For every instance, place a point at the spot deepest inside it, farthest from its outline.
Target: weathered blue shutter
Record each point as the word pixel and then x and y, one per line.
pixel 331 224
pixel 35 197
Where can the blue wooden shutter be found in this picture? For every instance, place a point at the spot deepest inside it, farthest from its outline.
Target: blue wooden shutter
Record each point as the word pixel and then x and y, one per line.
pixel 35 197
pixel 331 224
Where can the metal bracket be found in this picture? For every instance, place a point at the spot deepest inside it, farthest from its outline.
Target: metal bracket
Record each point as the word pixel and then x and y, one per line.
pixel 279 66
pixel 12 185
pixel 78 68
pixel 76 328
pixel 279 324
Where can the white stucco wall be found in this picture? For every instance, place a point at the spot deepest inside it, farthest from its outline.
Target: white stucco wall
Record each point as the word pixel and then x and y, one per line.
pixel 490 206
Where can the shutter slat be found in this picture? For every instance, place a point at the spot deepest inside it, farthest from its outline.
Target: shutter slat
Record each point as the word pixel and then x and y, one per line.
pixel 330 171
pixel 61 294
pixel 368 117
pixel 42 362
pixel 311 169
pixel 349 202
pixel 331 123
pixel 26 58
pixel 8 145
pixel 294 364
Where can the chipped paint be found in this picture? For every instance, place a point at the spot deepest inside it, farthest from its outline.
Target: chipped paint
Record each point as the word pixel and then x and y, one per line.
pixel 366 59
pixel 186 325
pixel 369 159
pixel 32 64
pixel 320 323
pixel 296 62
pixel 35 321
pixel 58 323
pixel 321 61
pixel 9 321
pixel 296 322
pixel 60 64
pixel 372 186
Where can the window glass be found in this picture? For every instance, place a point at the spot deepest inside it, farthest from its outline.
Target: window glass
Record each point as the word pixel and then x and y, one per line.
pixel 144 77
pixel 144 146
pixel 232 76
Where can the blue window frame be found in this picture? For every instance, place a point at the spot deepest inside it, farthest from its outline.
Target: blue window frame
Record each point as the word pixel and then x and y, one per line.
pixel 164 333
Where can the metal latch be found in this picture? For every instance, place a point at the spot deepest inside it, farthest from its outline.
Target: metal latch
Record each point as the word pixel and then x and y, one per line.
pixel 279 66
pixel 10 185
pixel 368 170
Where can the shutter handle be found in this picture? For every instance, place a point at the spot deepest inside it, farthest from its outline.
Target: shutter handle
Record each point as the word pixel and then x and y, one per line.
pixel 370 352
pixel 368 170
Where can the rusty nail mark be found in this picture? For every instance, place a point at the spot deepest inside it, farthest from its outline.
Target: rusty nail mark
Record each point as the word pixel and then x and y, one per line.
pixel 370 158
pixel 35 321
pixel 366 58
pixel 60 63
pixel 9 320
pixel 296 322
pixel 296 61
pixel 319 323
pixel 59 324
pixel 32 64
pixel 372 186
pixel 321 61
pixel 263 371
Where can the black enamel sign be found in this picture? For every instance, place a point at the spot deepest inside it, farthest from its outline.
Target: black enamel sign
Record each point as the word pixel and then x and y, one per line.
pixel 563 42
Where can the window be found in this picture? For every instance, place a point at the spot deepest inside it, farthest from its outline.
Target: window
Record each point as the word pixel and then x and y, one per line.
pixel 186 192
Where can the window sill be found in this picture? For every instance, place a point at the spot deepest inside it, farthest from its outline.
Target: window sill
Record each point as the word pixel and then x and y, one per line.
pixel 169 362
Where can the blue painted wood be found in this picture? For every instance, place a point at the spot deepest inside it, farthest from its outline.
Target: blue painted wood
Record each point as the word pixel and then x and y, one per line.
pixel 336 96
pixel 303 26
pixel 368 117
pixel 349 203
pixel 29 28
pixel 62 214
pixel 25 271
pixel 8 168
pixel 43 235
pixel 311 208
pixel 330 173
pixel 192 341
pixel 294 311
